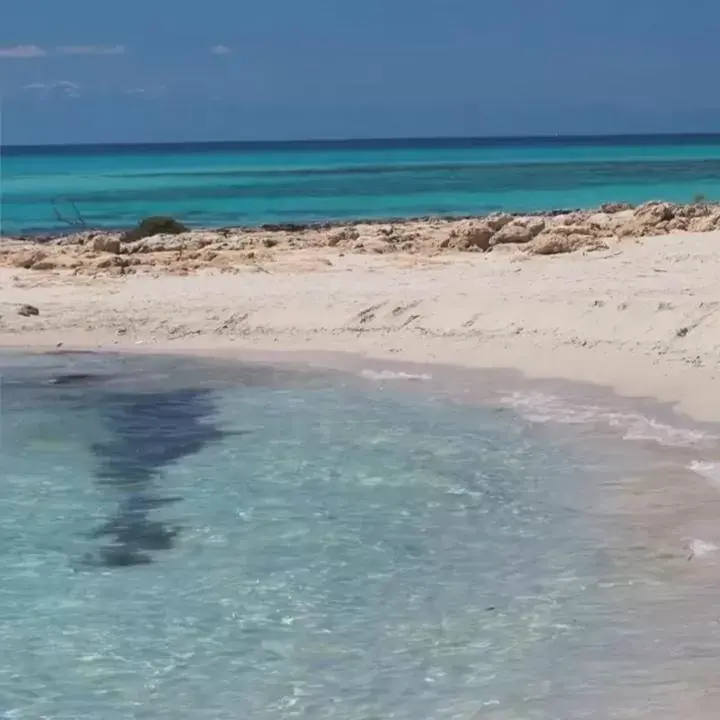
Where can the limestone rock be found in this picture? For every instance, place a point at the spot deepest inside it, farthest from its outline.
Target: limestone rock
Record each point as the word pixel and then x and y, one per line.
pixel 654 213
pixel 112 261
pixel 106 243
pixel 170 243
pixel 515 232
pixel 28 259
pixel 678 224
pixel 555 244
pixel 705 224
pixel 372 245
pixel 342 236
pixel 534 225
pixel 497 221
pixel 470 235
pixel 45 265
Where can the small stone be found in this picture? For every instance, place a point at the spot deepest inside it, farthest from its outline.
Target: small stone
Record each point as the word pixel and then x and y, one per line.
pixel 28 310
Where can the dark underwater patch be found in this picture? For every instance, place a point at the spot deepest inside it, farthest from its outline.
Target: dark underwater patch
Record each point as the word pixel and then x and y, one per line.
pixel 148 431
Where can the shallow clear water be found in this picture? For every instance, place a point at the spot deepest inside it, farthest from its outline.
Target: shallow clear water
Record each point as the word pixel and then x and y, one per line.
pixel 252 183
pixel 190 542
pixel 343 554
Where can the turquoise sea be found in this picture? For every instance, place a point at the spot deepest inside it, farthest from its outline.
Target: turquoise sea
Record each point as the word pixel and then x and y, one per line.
pixel 48 188
pixel 184 539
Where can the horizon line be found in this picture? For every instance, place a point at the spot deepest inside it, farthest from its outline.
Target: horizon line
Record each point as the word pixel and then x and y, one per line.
pixel 369 140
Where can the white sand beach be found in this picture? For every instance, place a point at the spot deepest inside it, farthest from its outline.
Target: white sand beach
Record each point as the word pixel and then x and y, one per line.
pixel 639 314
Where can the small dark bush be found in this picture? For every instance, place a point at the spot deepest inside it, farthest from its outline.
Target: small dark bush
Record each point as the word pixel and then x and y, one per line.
pixel 157 225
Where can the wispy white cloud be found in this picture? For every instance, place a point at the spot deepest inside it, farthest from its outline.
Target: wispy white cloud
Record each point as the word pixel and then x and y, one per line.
pixel 152 91
pixel 92 50
pixel 22 52
pixel 66 87
pixel 221 50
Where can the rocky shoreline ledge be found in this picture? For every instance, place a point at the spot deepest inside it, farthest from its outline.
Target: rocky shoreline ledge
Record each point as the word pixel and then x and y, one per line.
pixel 163 245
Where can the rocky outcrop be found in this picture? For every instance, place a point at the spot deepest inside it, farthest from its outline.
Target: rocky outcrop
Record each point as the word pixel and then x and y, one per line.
pixel 163 245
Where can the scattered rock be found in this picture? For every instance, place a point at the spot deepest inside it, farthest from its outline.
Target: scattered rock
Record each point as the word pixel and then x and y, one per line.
pixel 156 225
pixel 28 310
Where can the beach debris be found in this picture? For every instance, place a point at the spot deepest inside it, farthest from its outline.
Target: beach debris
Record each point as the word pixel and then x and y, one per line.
pixel 156 225
pixel 28 310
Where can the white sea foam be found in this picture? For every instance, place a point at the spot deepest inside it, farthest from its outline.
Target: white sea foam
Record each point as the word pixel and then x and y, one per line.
pixel 701 548
pixel 541 408
pixel 391 375
pixel 708 470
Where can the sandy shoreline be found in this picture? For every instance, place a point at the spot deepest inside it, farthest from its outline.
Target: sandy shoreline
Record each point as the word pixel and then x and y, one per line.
pixel 638 314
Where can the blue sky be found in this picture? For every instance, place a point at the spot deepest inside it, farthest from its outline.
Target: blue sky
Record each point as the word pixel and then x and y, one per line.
pixel 154 70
